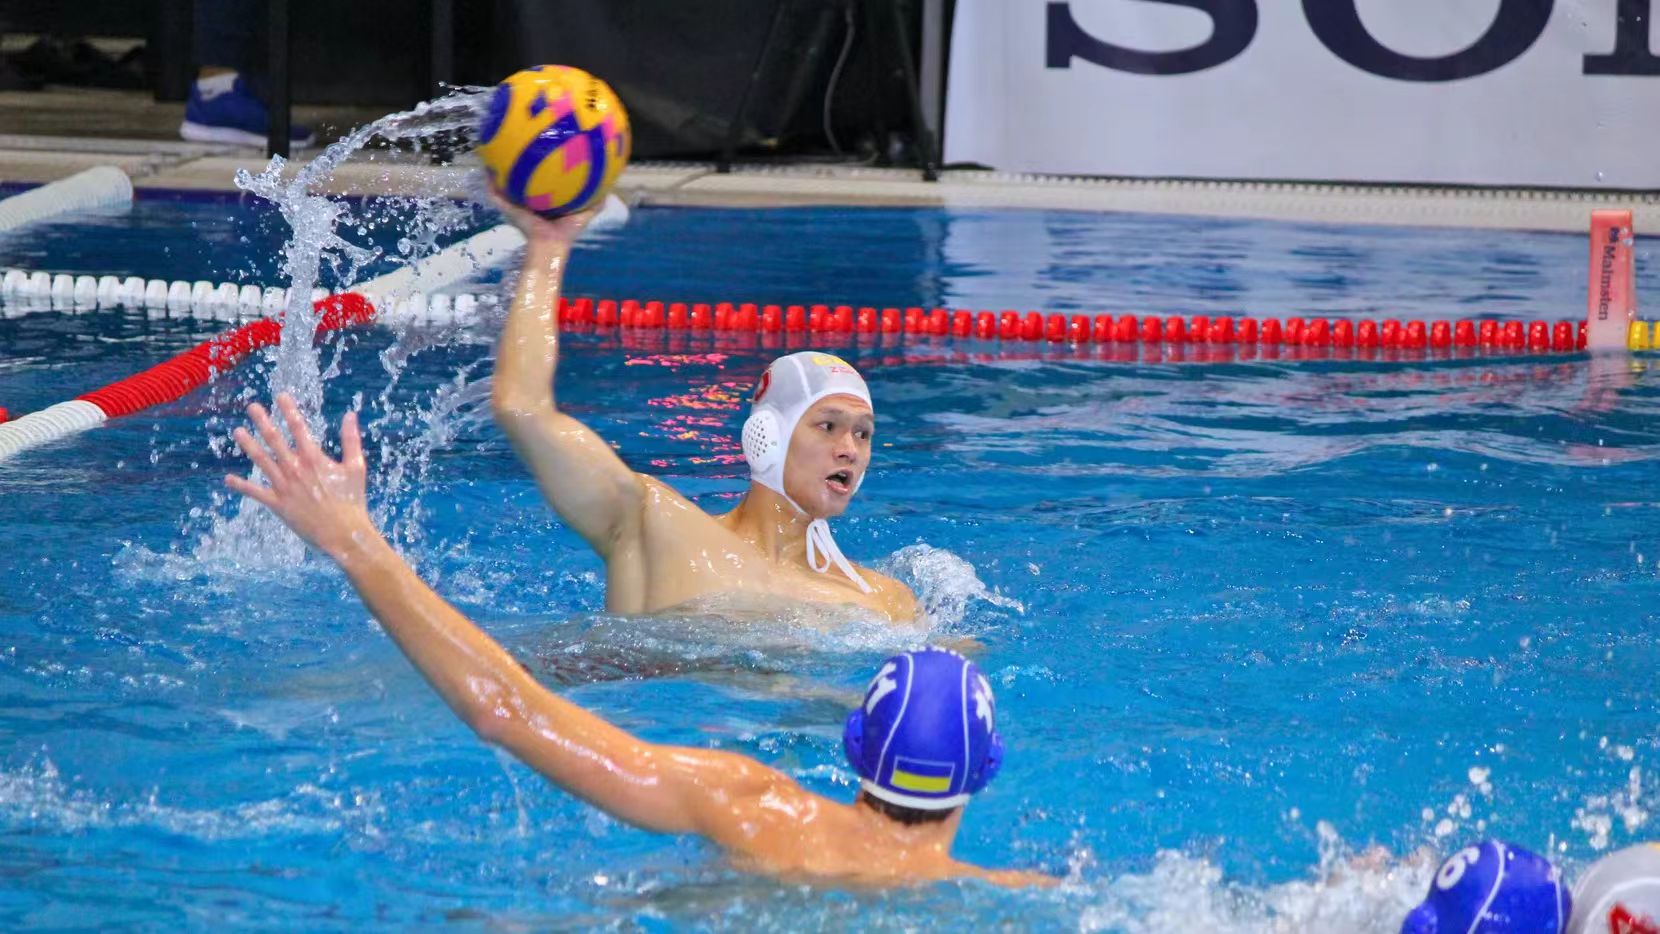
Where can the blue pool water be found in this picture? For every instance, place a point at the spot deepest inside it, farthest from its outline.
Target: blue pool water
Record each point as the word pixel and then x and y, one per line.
pixel 1246 620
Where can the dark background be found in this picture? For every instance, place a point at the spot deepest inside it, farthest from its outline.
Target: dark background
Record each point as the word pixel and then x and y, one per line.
pixel 680 66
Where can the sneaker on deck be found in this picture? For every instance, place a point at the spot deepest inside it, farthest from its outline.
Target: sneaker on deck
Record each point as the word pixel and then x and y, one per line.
pixel 224 109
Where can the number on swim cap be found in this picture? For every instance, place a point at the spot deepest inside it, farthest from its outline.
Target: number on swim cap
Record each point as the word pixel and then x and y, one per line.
pixel 881 686
pixel 1454 868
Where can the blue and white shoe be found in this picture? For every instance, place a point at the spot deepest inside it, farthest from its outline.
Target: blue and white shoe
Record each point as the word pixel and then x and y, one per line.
pixel 224 109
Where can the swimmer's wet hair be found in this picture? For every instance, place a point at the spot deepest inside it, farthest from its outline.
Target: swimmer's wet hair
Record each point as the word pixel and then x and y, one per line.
pixel 910 817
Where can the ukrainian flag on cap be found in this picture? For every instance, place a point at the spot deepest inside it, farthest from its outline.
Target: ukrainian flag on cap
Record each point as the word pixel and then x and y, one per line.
pixel 926 734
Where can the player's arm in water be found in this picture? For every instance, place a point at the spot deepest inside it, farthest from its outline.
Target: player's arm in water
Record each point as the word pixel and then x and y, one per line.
pixel 581 476
pixel 662 788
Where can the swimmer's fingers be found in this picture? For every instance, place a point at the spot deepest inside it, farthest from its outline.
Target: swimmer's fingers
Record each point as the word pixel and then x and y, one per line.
pixel 351 445
pixel 252 490
pixel 280 451
pixel 262 460
pixel 307 446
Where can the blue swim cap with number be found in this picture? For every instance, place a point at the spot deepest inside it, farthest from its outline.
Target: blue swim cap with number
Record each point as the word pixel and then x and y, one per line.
pixel 1493 888
pixel 926 735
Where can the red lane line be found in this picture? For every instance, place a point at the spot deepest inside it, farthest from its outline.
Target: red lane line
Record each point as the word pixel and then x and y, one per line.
pixel 176 378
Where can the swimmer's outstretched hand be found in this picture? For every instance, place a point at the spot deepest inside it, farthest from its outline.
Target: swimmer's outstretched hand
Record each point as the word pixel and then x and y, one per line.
pixel 557 231
pixel 320 498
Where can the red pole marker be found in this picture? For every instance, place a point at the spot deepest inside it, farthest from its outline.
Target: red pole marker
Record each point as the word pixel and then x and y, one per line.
pixel 985 325
pixel 1611 300
pixel 962 324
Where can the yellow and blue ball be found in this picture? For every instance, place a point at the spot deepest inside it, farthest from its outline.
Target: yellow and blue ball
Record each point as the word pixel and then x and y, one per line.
pixel 554 139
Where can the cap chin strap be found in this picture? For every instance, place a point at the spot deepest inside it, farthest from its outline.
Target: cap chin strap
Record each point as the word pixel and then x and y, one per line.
pixel 821 546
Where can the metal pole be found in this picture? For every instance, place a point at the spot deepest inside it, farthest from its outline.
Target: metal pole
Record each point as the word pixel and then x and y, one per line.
pixel 933 64
pixel 443 44
pixel 729 148
pixel 279 91
pixel 904 70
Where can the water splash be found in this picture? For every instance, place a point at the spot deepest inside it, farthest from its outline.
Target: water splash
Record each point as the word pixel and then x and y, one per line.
pixel 249 535
pixel 946 584
pixel 1368 892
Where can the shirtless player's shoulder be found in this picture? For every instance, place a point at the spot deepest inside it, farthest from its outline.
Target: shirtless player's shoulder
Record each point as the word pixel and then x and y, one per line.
pixel 807 441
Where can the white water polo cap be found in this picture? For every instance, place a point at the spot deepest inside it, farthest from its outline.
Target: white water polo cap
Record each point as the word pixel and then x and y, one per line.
pixel 1620 893
pixel 788 388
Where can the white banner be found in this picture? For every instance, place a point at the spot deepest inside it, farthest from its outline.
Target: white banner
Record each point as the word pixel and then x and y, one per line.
pixel 1485 92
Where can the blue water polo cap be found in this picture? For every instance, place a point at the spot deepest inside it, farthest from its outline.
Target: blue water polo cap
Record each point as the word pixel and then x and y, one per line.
pixel 1493 888
pixel 926 735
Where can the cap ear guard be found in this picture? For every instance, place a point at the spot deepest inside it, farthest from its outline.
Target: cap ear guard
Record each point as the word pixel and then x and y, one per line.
pixel 853 742
pixel 979 778
pixel 764 442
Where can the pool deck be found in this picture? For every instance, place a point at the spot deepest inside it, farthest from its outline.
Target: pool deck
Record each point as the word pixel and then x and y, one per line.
pixel 178 166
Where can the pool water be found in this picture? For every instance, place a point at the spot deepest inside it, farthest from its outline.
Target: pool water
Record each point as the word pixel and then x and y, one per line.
pixel 1245 620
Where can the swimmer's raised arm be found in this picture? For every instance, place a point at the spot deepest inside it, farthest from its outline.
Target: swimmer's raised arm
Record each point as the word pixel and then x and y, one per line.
pixel 662 788
pixel 583 479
